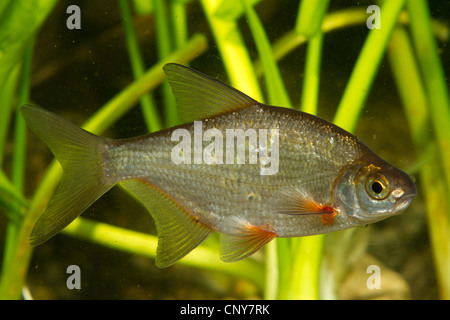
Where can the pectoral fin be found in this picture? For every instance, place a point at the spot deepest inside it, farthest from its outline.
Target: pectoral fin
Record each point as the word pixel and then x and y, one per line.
pixel 243 240
pixel 295 201
pixel 178 230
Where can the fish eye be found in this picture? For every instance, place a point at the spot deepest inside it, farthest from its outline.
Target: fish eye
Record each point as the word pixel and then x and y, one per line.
pixel 377 187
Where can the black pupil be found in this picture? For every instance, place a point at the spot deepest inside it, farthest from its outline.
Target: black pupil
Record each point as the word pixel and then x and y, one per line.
pixel 377 187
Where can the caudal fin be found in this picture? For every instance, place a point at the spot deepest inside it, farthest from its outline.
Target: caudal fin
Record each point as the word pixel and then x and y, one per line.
pixel 78 151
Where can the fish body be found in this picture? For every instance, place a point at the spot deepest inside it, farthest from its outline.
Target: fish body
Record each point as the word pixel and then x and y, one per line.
pixel 220 191
pixel 250 171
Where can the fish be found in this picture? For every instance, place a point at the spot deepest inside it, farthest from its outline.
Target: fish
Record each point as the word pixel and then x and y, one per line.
pixel 250 171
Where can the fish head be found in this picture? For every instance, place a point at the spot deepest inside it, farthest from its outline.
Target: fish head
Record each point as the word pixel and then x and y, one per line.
pixel 371 190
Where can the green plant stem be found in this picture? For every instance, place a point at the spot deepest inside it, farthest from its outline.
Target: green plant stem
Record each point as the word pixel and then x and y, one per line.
pixel 272 271
pixel 13 275
pixel 145 245
pixel 233 51
pixel 284 266
pixel 410 86
pixel 277 94
pixel 148 107
pixel 434 79
pixel 18 159
pixel 143 7
pixel 14 37
pixel 331 22
pixel 179 23
pixel 310 93
pixel 310 17
pixel 366 67
pixel 334 21
pixel 20 19
pixel 164 39
pixel 438 206
pixel 307 259
pixel 413 94
pixel 8 189
pixel 303 282
pixel 20 129
pixel 7 95
pixel 164 47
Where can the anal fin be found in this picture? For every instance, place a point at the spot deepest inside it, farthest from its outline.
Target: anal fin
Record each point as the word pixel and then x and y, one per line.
pixel 178 231
pixel 244 240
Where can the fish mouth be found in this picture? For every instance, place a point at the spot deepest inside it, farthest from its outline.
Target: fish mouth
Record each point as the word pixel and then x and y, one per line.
pixel 404 202
pixel 409 193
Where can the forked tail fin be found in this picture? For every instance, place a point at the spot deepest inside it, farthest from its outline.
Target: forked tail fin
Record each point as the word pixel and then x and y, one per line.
pixel 79 153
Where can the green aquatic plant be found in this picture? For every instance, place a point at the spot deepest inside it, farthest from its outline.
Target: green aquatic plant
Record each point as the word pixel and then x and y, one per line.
pixel 292 268
pixel 425 99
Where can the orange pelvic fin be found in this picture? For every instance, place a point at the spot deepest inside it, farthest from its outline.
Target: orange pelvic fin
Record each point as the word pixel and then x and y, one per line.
pixel 244 240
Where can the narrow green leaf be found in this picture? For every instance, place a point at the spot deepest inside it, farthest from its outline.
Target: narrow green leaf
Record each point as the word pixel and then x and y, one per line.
pixel 19 21
pixel 148 107
pixel 164 46
pixel 311 79
pixel 434 78
pixel 233 51
pixel 145 245
pixel 7 96
pixel 366 67
pixel 232 9
pixel 275 86
pixel 415 102
pixel 143 7
pixel 310 16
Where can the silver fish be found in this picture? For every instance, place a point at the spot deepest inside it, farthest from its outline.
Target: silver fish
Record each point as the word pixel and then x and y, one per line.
pixel 250 171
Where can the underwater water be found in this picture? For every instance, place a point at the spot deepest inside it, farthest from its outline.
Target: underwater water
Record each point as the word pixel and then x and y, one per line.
pixel 75 72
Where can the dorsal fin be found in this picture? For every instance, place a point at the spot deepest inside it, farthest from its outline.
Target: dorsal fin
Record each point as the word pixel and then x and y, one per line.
pixel 199 96
pixel 178 231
